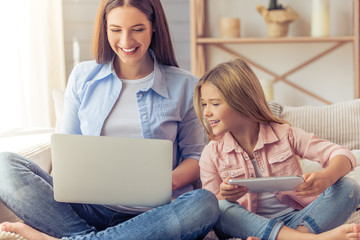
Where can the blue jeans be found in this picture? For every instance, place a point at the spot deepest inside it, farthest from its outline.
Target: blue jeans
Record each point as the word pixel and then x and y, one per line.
pixel 331 209
pixel 27 190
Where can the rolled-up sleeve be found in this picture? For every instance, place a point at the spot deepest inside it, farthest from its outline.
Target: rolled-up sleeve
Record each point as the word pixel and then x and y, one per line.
pixel 191 136
pixel 309 146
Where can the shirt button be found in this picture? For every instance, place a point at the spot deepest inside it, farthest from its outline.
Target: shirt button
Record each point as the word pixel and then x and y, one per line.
pixel 232 173
pixel 246 157
pixel 251 175
pixel 141 95
pixel 262 169
pixel 253 201
pixel 144 117
pixel 281 156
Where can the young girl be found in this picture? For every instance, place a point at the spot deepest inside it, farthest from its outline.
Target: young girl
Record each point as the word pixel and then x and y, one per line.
pixel 248 141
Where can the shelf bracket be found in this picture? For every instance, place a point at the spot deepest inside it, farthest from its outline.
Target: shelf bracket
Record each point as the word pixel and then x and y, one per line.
pixel 291 71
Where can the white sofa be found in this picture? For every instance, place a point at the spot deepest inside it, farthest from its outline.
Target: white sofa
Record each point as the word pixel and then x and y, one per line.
pixel 339 123
pixel 33 144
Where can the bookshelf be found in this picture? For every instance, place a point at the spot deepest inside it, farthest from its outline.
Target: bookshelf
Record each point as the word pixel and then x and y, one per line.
pixel 199 41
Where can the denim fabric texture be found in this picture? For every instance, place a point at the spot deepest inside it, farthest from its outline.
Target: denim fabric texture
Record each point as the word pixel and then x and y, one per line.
pixel 165 105
pixel 331 209
pixel 27 190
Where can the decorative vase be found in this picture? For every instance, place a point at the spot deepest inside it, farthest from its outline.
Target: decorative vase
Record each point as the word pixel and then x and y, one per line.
pixel 320 18
pixel 275 29
pixel 230 27
pixel 277 20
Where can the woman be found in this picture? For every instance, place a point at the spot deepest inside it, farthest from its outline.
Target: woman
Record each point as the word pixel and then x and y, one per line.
pixel 133 89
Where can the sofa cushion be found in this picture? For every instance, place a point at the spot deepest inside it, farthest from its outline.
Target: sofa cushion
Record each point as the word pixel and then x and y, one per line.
pixel 33 144
pixel 311 166
pixel 275 108
pixel 338 123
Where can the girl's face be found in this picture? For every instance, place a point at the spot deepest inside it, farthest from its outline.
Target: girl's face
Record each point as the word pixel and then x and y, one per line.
pixel 129 32
pixel 221 117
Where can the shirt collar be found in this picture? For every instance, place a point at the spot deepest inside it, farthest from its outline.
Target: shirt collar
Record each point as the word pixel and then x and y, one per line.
pixel 158 84
pixel 106 70
pixel 266 136
pixel 230 144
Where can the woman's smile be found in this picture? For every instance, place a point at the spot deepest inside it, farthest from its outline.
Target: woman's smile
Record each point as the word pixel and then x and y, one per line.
pixel 129 51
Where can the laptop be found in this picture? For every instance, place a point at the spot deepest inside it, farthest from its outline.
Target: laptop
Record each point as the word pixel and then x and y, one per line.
pixel 111 170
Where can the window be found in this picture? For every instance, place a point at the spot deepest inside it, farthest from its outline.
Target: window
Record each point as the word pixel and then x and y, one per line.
pixel 32 62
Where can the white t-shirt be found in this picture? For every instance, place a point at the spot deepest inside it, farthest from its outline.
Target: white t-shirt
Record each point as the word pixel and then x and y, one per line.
pixel 268 205
pixel 124 118
pixel 124 121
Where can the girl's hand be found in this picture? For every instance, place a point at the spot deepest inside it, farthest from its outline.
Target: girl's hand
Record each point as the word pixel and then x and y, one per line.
pixel 229 192
pixel 315 184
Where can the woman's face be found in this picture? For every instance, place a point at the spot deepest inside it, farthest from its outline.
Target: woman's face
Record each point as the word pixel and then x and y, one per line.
pixel 129 32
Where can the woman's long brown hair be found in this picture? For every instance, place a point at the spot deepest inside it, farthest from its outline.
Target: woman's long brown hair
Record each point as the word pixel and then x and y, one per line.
pixel 160 43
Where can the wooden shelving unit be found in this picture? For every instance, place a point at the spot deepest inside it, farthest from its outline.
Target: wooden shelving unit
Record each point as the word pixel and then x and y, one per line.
pixel 199 41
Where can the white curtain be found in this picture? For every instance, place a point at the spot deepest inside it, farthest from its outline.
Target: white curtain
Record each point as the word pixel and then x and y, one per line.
pixel 32 62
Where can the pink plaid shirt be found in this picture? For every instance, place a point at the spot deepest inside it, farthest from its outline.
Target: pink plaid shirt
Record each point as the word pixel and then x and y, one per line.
pixel 276 153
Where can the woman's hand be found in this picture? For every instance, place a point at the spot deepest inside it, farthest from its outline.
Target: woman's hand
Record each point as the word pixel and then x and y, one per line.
pixel 186 173
pixel 315 184
pixel 229 192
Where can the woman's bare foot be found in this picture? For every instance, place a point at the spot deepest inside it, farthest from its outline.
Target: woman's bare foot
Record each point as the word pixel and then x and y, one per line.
pixel 346 231
pixel 25 231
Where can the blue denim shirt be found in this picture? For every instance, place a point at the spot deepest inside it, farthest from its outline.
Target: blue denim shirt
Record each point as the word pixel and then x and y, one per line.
pixel 165 105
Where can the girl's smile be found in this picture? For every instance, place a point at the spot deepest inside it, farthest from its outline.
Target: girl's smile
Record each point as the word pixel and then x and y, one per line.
pixel 217 112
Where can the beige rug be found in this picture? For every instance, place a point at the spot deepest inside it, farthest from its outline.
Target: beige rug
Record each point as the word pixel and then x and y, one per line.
pixel 355 217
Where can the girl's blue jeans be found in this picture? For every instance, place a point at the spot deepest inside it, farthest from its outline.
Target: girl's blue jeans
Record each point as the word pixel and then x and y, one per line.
pixel 27 191
pixel 331 209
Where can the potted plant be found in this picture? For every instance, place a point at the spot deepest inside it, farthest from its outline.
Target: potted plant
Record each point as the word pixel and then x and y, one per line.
pixel 277 18
pixel 273 5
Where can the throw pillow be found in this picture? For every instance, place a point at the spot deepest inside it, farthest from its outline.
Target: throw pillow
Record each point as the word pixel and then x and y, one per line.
pixel 275 108
pixel 338 123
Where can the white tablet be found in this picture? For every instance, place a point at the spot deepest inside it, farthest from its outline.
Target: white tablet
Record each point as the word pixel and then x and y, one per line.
pixel 269 184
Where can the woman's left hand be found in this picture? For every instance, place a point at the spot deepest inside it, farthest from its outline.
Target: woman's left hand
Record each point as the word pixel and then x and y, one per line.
pixel 315 184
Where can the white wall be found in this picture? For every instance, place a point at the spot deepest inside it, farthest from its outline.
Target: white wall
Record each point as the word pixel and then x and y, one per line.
pixel 178 16
pixel 79 17
pixel 331 77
